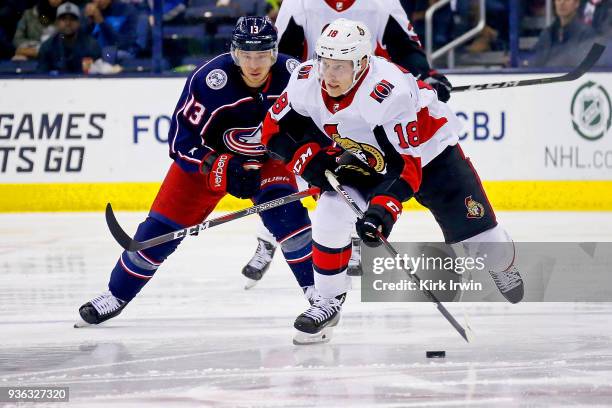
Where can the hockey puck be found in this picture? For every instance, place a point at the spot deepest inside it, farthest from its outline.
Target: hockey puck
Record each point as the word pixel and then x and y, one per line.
pixel 435 354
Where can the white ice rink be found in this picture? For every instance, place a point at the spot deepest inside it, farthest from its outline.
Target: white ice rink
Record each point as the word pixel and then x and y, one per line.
pixel 194 337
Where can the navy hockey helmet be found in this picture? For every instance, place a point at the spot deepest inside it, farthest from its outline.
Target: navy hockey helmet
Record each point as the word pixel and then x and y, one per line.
pixel 254 34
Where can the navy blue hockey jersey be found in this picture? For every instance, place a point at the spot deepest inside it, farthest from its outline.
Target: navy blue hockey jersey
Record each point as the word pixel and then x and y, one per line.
pixel 217 111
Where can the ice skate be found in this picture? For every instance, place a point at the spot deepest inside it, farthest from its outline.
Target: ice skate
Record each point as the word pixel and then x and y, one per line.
pixel 509 283
pixel 316 324
pixel 354 265
pixel 311 294
pixel 259 263
pixel 99 309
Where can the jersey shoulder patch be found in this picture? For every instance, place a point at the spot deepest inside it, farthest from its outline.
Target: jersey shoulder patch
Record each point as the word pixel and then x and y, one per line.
pixel 304 71
pixel 213 74
pixel 382 90
pixel 216 79
pixel 291 64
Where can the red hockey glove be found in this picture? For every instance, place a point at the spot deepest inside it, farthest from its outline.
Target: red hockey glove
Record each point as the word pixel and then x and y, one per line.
pixel 310 162
pixel 235 175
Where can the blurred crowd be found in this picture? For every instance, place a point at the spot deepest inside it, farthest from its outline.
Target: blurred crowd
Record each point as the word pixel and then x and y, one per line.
pixel 105 36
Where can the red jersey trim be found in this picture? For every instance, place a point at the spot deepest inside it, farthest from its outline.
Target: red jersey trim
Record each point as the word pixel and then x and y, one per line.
pixel 428 125
pixel 412 172
pixel 269 128
pixel 346 4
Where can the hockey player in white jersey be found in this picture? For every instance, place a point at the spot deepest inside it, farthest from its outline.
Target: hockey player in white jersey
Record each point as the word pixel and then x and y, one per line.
pixel 299 24
pixel 406 142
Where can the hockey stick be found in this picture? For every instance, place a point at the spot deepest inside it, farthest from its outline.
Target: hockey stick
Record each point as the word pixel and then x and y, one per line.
pixel 132 245
pixel 586 64
pixel 331 178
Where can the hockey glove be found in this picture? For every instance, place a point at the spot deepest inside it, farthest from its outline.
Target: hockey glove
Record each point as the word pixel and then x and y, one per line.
pixel 310 162
pixel 441 84
pixel 352 171
pixel 235 175
pixel 381 215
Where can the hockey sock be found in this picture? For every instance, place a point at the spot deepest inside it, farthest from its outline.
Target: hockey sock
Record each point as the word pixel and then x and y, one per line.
pixel 290 225
pixel 330 266
pixel 134 269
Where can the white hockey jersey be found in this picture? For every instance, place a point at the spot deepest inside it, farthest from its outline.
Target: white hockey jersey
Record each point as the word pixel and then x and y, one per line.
pixel 389 119
pixel 300 23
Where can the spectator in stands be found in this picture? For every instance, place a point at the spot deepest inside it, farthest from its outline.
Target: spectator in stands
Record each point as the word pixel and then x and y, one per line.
pixel 494 34
pixel 597 14
pixel 114 25
pixel 173 10
pixel 566 41
pixel 69 50
pixel 34 28
pixel 442 21
pixel 10 13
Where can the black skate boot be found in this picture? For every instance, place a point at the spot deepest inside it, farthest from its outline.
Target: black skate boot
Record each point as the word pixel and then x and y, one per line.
pixel 509 283
pixel 315 324
pixel 354 265
pixel 259 263
pixel 100 309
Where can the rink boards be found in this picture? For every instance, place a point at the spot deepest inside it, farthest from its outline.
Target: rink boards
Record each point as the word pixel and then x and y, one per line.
pixel 75 144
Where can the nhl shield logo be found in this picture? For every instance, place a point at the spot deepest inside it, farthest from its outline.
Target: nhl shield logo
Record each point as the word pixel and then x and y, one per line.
pixel 474 208
pixel 591 111
pixel 216 79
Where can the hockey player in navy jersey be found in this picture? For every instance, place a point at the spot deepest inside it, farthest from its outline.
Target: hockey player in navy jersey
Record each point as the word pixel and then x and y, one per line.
pixel 394 140
pixel 215 142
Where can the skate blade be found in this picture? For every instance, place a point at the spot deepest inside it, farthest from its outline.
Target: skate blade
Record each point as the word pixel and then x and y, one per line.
pixel 81 323
pixel 303 339
pixel 250 283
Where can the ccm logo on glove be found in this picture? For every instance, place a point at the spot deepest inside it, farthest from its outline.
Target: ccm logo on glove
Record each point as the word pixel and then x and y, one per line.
pixel 302 156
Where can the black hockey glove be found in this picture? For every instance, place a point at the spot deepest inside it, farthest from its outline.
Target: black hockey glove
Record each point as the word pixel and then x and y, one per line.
pixel 354 172
pixel 381 215
pixel 441 84
pixel 310 162
pixel 235 175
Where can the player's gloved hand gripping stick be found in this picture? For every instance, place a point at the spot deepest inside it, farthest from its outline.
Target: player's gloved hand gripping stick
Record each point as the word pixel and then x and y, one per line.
pixel 331 178
pixel 132 245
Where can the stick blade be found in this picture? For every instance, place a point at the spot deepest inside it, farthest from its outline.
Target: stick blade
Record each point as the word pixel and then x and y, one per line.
pixel 588 62
pixel 117 232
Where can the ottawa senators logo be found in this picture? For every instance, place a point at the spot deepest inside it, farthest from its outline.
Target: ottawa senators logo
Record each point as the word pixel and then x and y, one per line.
pixel 304 72
pixel 367 153
pixel 382 90
pixel 474 208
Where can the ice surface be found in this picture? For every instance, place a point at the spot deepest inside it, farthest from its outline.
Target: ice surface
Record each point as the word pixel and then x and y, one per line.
pixel 194 337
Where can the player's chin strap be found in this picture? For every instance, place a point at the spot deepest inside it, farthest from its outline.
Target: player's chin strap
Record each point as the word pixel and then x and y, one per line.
pixel 333 181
